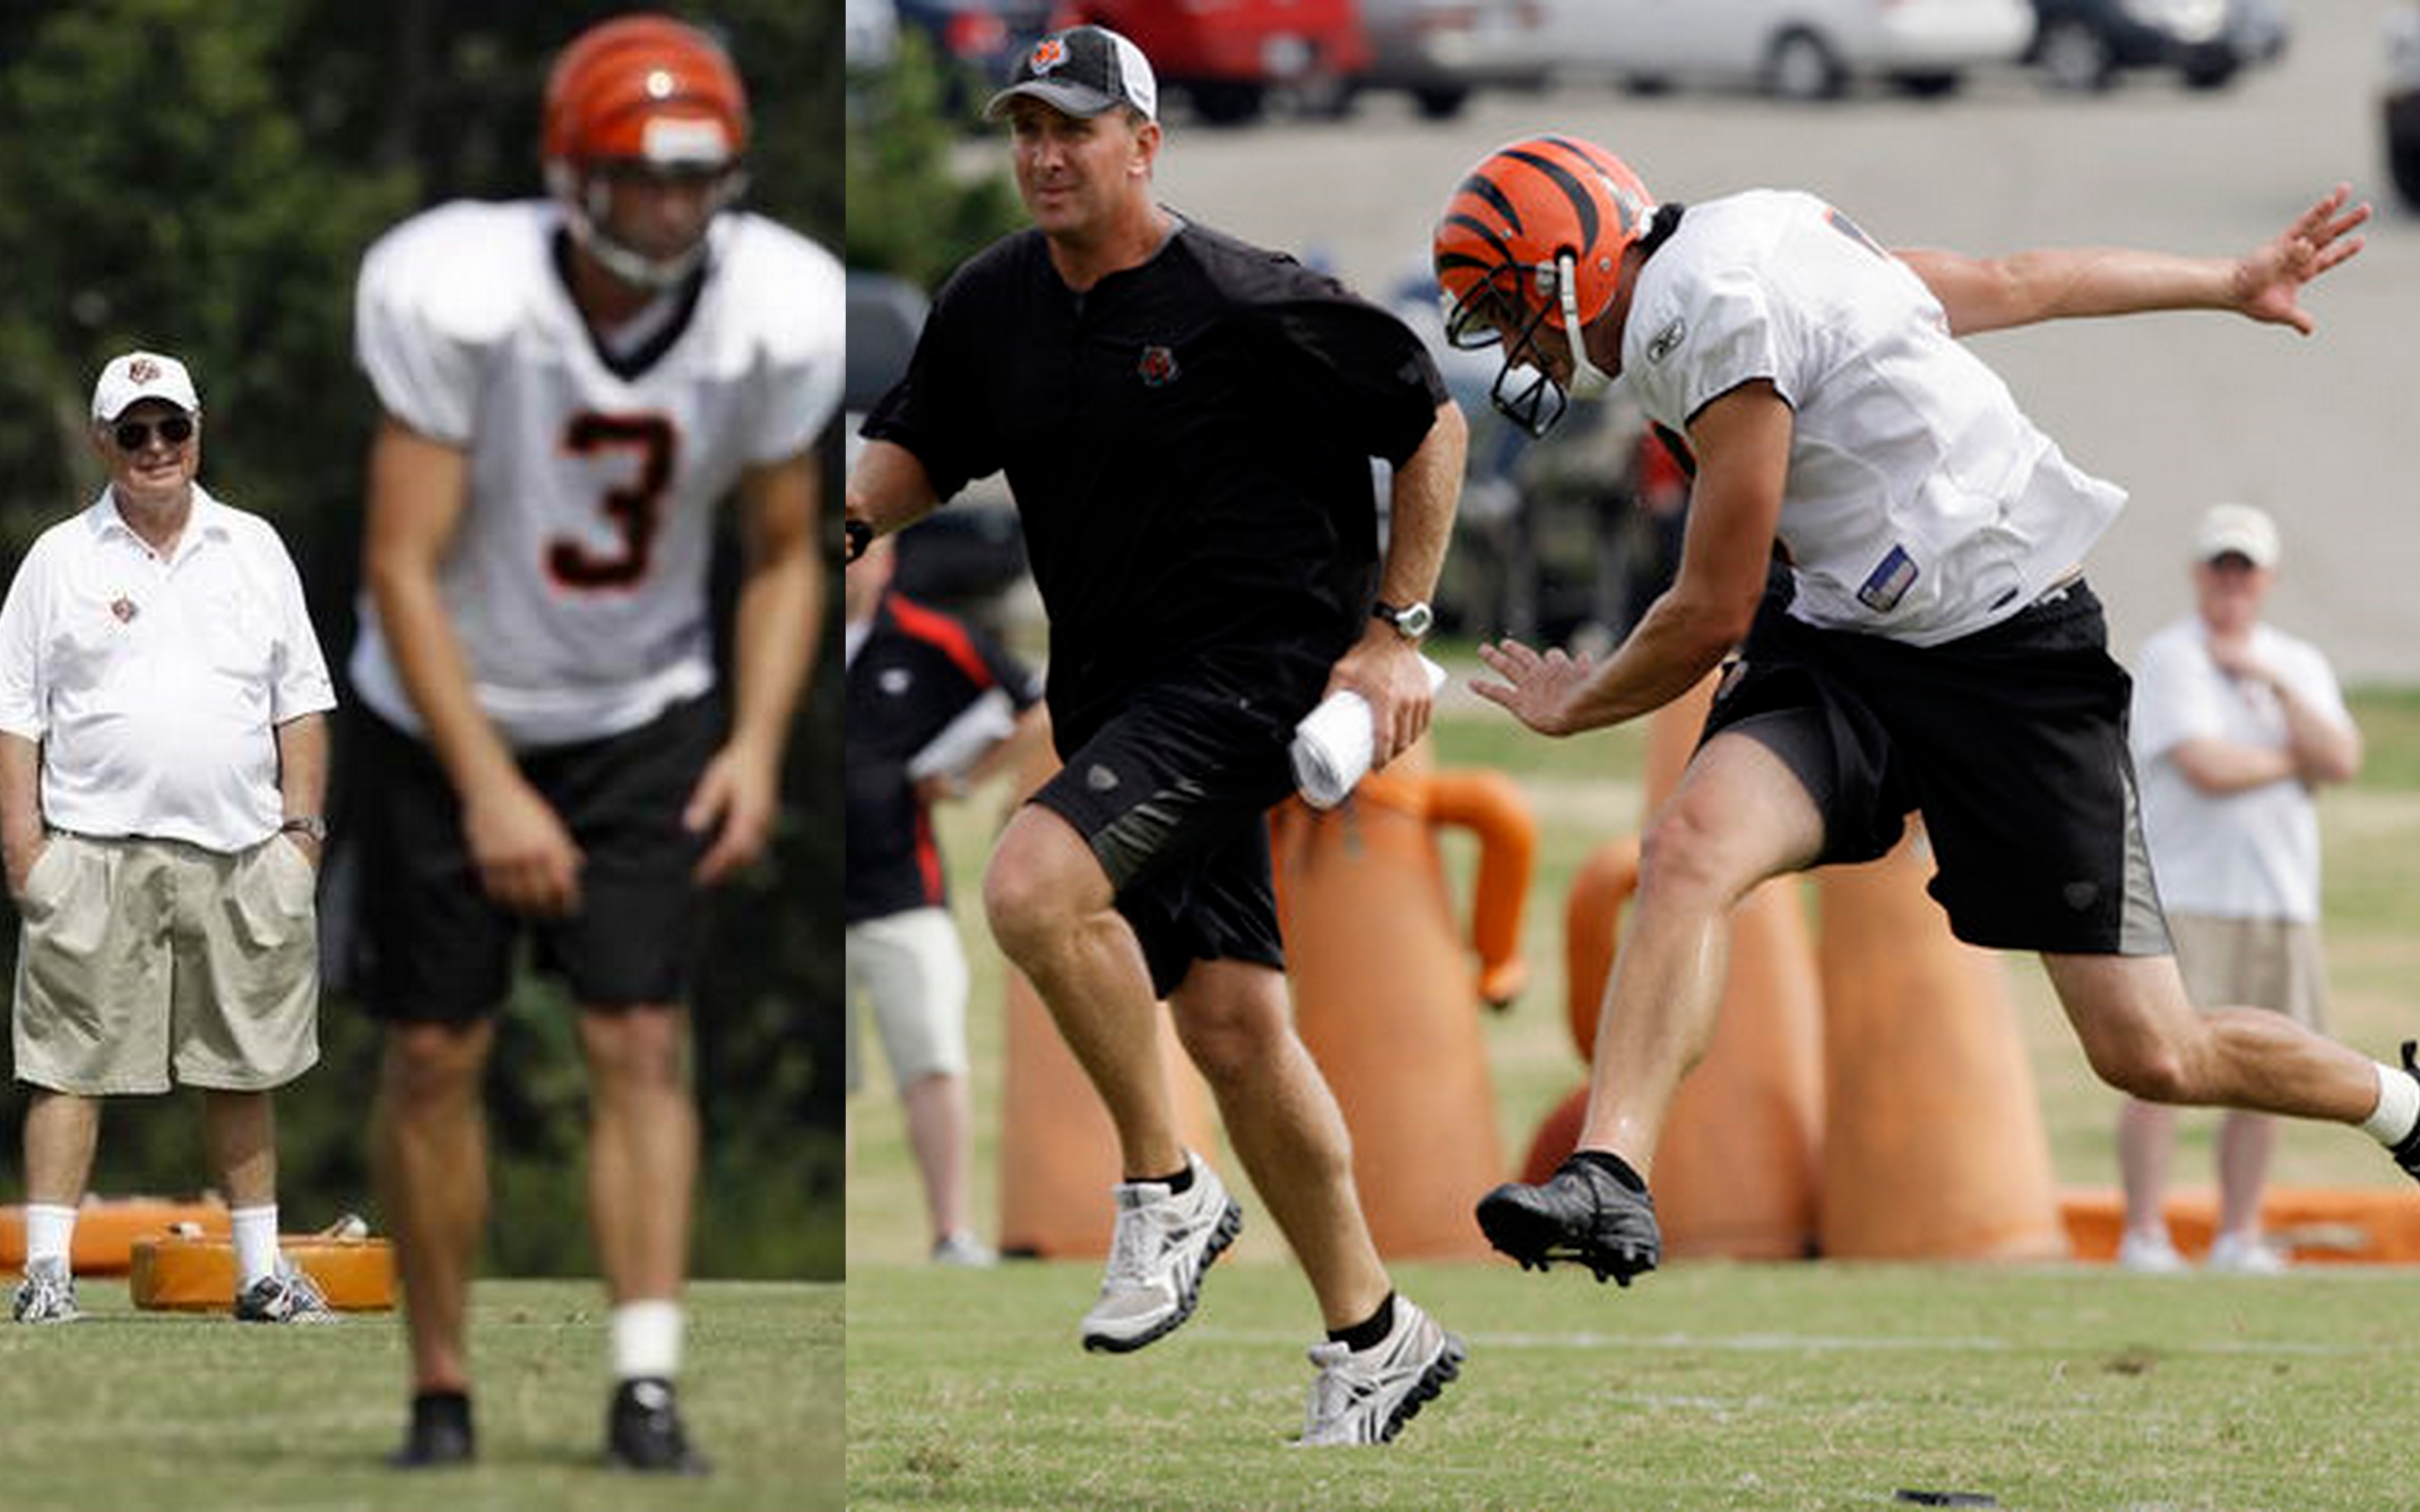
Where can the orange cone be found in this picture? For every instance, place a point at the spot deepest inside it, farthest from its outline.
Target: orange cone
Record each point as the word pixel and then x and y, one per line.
pixel 1387 993
pixel 1934 1146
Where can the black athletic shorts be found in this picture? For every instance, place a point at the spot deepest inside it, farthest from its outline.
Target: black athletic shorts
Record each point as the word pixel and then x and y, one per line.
pixel 432 948
pixel 2011 742
pixel 1173 794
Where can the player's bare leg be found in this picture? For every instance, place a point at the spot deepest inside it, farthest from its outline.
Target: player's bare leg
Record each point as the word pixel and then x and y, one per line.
pixel 431 1154
pixel 643 1153
pixel 1282 1119
pixel 1738 818
pixel 61 1133
pixel 2142 1036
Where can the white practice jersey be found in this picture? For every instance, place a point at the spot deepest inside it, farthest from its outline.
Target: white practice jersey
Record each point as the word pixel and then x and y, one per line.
pixel 1921 504
pixel 577 581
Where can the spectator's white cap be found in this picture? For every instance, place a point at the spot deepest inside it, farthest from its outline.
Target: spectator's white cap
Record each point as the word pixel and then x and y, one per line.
pixel 142 375
pixel 2239 530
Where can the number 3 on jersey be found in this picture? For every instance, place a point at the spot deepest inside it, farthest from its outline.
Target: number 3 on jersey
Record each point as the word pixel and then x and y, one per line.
pixel 636 508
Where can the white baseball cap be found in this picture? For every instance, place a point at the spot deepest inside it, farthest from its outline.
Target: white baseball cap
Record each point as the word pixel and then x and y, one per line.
pixel 142 375
pixel 2239 530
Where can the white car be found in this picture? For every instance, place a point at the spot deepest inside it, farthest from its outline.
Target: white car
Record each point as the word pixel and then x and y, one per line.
pixel 1795 49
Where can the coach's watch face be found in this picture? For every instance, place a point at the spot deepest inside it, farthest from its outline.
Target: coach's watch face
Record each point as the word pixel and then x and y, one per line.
pixel 1412 621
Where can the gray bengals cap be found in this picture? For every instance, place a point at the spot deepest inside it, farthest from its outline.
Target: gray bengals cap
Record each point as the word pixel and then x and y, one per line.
pixel 1083 70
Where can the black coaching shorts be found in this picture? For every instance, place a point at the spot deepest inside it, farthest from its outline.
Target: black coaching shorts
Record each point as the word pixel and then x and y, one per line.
pixel 2011 742
pixel 432 947
pixel 1173 794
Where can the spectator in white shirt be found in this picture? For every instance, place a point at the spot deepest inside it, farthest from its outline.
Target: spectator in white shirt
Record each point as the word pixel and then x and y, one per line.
pixel 2234 725
pixel 164 753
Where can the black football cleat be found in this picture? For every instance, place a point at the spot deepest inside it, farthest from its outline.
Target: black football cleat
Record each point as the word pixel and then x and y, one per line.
pixel 644 1432
pixel 440 1435
pixel 1583 1215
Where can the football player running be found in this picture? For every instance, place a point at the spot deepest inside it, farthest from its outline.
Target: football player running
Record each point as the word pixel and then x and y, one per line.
pixel 570 386
pixel 1894 550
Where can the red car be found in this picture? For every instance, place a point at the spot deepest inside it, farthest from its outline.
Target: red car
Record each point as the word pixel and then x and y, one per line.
pixel 1227 54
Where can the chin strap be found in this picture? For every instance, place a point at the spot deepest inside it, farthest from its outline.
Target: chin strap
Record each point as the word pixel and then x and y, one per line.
pixel 584 205
pixel 1588 379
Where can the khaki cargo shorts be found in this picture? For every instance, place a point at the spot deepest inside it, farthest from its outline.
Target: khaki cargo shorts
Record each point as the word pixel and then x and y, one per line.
pixel 149 963
pixel 2275 963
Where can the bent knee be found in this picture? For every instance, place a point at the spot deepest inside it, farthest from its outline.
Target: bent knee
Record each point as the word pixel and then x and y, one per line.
pixel 2153 1074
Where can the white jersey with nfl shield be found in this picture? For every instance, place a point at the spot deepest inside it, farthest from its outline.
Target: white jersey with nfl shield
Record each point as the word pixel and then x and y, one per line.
pixel 577 578
pixel 1921 504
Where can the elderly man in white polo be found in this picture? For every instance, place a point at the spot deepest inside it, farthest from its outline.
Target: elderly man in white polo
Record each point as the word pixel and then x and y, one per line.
pixel 163 754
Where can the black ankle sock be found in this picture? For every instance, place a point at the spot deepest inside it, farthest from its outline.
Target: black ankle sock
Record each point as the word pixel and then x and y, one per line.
pixel 1612 1165
pixel 452 1406
pixel 1367 1332
pixel 1182 1182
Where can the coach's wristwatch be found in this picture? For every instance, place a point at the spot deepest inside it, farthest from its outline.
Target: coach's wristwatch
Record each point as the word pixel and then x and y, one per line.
pixel 309 826
pixel 1411 621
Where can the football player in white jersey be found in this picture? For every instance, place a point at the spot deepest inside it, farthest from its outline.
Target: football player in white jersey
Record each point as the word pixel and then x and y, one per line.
pixel 1894 550
pixel 571 385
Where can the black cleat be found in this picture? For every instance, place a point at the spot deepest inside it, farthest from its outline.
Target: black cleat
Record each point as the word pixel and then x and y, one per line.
pixel 2407 1154
pixel 644 1432
pixel 1583 1215
pixel 441 1433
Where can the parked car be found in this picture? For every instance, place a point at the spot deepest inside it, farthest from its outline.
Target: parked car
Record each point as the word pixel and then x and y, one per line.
pixel 1795 49
pixel 1441 51
pixel 2401 100
pixel 2085 44
pixel 1226 55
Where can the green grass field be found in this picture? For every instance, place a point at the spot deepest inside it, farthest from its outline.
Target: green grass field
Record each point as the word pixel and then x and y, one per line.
pixel 1707 1385
pixel 132 1410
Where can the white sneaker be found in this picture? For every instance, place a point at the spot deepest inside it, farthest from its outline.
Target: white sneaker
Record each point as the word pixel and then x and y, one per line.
pixel 1367 1395
pixel 2150 1254
pixel 285 1295
pixel 1163 1244
pixel 47 1295
pixel 963 1249
pixel 2242 1254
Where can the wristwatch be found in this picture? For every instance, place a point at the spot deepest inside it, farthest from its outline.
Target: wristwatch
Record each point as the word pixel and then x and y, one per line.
pixel 310 825
pixel 1411 621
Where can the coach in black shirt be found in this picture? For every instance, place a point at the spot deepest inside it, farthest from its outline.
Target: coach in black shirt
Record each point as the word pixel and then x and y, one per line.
pixel 1187 423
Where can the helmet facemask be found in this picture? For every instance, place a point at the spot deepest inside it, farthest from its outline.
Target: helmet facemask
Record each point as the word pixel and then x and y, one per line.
pixel 1500 310
pixel 585 192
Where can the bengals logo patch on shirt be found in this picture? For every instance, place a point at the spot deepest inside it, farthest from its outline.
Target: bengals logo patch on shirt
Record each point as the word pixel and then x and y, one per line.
pixel 1157 367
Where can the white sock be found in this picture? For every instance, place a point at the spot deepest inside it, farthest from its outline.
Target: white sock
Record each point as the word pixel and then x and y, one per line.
pixel 2398 1106
pixel 255 1243
pixel 646 1339
pixel 50 1233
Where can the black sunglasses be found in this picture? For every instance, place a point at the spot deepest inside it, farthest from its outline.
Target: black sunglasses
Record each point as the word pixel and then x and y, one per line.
pixel 134 434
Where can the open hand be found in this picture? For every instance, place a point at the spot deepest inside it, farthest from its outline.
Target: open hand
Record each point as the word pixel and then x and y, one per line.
pixel 1538 686
pixel 2268 280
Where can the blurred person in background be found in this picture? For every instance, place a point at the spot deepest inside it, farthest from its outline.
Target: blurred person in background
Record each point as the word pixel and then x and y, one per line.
pixel 1888 553
pixel 1187 423
pixel 2235 725
pixel 163 754
pixel 571 386
pixel 935 706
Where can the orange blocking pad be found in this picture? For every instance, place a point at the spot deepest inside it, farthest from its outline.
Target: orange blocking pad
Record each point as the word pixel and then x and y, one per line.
pixel 178 1273
pixel 2356 1226
pixel 107 1229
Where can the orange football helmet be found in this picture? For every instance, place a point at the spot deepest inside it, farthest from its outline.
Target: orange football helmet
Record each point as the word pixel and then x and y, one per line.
pixel 1536 229
pixel 645 92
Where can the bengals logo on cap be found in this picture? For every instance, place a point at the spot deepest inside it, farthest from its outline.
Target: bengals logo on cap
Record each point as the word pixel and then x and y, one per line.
pixel 142 370
pixel 1049 53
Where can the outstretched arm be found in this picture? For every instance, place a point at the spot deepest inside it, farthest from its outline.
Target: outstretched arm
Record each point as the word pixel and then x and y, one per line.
pixel 2265 284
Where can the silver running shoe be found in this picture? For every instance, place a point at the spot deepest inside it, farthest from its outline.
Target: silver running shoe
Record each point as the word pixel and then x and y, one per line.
pixel 47 1295
pixel 285 1295
pixel 1163 1244
pixel 964 1250
pixel 1367 1395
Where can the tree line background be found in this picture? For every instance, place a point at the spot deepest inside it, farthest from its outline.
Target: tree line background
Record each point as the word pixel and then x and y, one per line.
pixel 201 177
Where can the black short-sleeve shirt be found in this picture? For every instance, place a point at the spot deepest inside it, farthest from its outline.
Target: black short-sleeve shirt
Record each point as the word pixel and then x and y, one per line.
pixel 1189 443
pixel 918 670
